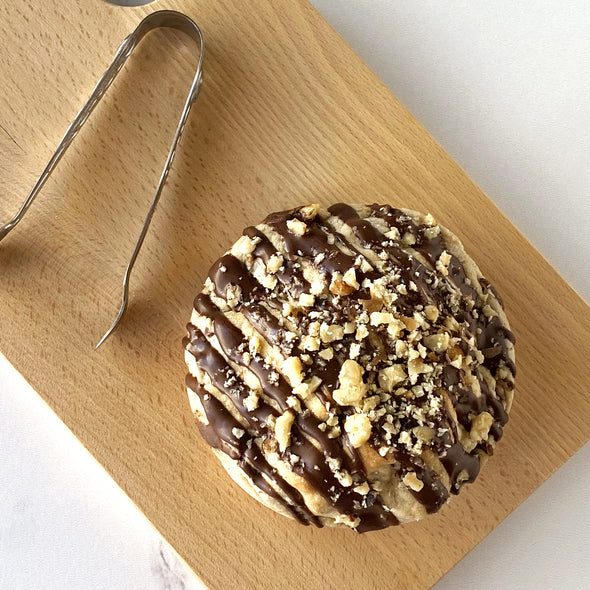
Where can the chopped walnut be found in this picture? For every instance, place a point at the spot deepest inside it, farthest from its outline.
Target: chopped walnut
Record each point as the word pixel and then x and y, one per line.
pixel 423 433
pixel 393 234
pixel 244 246
pixel 327 353
pixel 417 366
pixel 370 403
pixel 378 318
pixel 311 343
pixel 306 300
pixel 362 489
pixel 355 350
pixel 364 264
pixel 352 388
pixel 432 232
pixel 283 429
pixel 314 329
pixel 480 427
pixel 274 263
pixel 238 432
pixel 361 332
pixel 431 313
pixel 394 328
pixel 350 278
pixel 317 287
pixel 294 403
pixel 358 429
pixel 349 327
pixel 339 287
pixel 401 348
pixel 408 239
pixel 344 478
pixel 456 356
pixel 233 295
pixel 391 376
pixel 437 342
pixel 413 353
pixel 305 389
pixel 404 437
pixel 293 370
pixel 255 344
pixel 251 401
pixel 442 264
pixel 330 333
pixel 410 323
pixel 412 481
pixel 335 432
pixel 309 212
pixel 297 227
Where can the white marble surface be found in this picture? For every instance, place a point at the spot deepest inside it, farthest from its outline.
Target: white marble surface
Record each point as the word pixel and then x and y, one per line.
pixel 503 86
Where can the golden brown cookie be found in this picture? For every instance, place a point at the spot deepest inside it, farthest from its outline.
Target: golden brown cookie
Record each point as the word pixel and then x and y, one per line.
pixel 350 367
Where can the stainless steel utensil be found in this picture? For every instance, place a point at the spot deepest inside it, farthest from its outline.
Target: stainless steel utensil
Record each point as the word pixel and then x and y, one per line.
pixel 155 20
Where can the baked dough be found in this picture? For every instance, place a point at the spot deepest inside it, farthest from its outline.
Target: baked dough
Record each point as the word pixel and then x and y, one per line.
pixel 350 366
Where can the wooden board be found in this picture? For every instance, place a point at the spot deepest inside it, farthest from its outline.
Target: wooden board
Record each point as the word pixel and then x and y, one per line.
pixel 288 115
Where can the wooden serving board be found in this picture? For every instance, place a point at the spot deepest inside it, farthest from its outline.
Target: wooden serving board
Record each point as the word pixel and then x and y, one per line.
pixel 288 115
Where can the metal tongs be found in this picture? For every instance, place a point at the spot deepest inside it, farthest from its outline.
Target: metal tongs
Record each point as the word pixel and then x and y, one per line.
pixel 155 20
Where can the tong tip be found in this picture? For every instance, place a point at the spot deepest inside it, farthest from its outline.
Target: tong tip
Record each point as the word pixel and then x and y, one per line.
pixel 116 322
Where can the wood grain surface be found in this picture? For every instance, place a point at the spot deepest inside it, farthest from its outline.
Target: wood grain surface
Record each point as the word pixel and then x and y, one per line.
pixel 288 114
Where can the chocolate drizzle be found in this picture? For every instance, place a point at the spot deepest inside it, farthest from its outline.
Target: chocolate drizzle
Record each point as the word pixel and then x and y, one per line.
pixel 491 337
pixel 307 457
pixel 220 433
pixel 222 351
pixel 313 243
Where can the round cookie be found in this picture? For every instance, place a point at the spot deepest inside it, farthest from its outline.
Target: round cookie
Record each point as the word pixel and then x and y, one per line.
pixel 350 366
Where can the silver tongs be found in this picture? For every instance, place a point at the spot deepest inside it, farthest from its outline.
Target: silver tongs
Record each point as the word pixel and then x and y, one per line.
pixel 155 20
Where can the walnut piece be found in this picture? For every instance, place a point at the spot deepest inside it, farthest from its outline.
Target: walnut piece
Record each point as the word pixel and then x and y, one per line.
pixel 296 227
pixel 412 481
pixel 305 389
pixel 306 300
pixel 233 295
pixel 274 263
pixel 417 366
pixel 423 433
pixel 362 489
pixel 251 402
pixel 480 427
pixel 327 353
pixel 352 388
pixel 330 333
pixel 408 239
pixel 244 246
pixel 378 318
pixel 293 370
pixel 431 313
pixel 309 212
pixel 339 287
pixel 442 264
pixel 358 429
pixel 350 278
pixel 283 429
pixel 437 342
pixel 311 343
pixel 391 376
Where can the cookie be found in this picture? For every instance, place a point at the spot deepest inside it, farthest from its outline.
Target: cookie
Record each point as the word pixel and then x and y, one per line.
pixel 350 366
